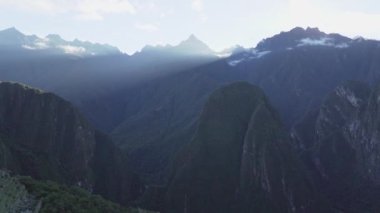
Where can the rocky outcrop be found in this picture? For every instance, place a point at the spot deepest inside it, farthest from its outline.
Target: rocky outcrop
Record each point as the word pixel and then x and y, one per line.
pixel 47 137
pixel 240 160
pixel 341 142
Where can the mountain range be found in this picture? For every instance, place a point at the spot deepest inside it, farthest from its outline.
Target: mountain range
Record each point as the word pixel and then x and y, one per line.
pixel 183 133
pixel 54 44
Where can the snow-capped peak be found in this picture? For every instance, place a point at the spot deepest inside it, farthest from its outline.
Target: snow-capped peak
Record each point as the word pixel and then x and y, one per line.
pixel 248 55
pixel 192 46
pixel 231 51
pixel 359 39
pixel 13 38
pixel 299 37
pixel 323 41
pixel 289 41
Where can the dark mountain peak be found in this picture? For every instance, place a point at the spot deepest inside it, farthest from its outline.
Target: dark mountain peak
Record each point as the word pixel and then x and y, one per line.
pixel 289 39
pixel 238 159
pixel 286 41
pixel 313 29
pixel 309 30
pixel 297 29
pixel 303 32
pixel 306 30
pixel 302 37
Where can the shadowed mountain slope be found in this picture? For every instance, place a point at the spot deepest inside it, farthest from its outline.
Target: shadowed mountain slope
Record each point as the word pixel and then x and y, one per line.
pixel 240 160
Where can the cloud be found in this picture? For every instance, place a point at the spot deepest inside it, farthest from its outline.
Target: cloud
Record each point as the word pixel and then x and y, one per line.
pixel 36 5
pixel 82 9
pixel 324 16
pixel 197 5
pixel 324 41
pixel 362 6
pixel 74 50
pixel 96 9
pixel 147 27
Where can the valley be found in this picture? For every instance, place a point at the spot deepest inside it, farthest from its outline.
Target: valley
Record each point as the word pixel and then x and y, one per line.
pixel 290 125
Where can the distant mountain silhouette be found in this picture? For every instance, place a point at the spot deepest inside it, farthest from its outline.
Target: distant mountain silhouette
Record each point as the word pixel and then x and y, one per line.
pixel 189 47
pixel 12 38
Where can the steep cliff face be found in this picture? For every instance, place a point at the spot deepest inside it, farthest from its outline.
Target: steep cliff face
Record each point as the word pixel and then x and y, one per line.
pixel 43 136
pixel 48 137
pixel 240 160
pixel 341 142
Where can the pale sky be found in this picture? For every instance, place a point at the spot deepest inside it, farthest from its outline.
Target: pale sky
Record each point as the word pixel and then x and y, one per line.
pixel 131 24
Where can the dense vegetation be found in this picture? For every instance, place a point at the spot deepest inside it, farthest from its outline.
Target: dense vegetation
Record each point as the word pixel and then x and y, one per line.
pixel 22 194
pixel 57 198
pixel 14 197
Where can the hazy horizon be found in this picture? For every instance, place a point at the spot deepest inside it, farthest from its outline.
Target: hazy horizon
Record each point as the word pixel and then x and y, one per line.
pixel 131 24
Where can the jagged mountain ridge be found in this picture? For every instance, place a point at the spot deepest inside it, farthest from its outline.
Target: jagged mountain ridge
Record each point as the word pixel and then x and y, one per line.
pixel 12 38
pixel 192 46
pixel 85 80
pixel 302 37
pixel 294 39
